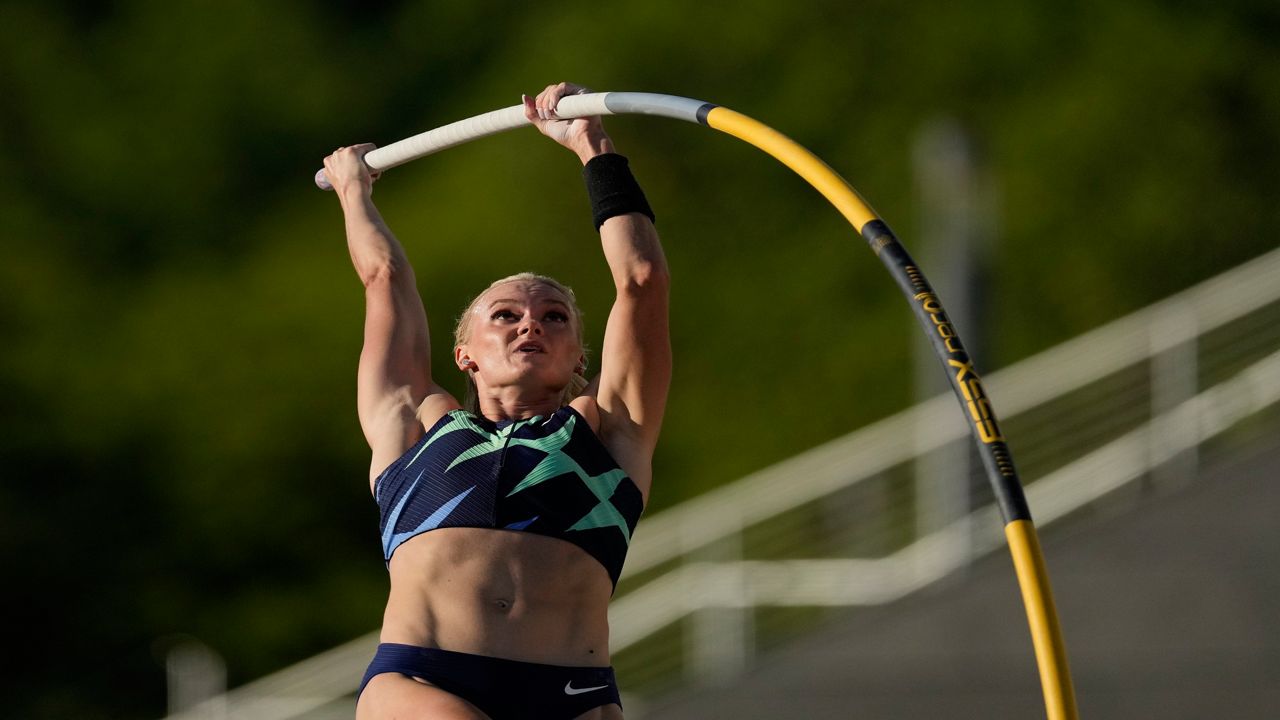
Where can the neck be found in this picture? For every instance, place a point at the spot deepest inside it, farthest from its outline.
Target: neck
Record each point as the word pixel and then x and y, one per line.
pixel 518 403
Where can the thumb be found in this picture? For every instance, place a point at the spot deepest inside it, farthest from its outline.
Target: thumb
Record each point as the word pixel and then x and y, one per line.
pixel 531 111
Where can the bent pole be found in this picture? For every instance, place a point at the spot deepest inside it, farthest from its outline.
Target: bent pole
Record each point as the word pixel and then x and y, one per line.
pixel 1020 533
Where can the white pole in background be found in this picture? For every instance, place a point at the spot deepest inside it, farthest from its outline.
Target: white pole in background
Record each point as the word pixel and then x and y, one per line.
pixel 954 216
pixel 196 674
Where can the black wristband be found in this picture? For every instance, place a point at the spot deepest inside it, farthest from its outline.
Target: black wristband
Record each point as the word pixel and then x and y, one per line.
pixel 612 188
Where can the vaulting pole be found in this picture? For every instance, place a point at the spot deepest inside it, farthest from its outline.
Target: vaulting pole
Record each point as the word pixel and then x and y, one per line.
pixel 1020 532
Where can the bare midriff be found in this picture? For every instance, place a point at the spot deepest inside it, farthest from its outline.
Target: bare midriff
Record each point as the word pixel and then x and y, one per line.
pixel 500 593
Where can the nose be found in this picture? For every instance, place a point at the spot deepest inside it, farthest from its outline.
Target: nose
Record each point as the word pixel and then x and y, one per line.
pixel 530 326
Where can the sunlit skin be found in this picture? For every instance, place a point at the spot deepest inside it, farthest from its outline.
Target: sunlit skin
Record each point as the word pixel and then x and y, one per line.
pixel 498 593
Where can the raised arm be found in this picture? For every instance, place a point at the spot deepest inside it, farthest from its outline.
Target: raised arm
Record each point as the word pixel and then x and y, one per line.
pixel 395 394
pixel 635 365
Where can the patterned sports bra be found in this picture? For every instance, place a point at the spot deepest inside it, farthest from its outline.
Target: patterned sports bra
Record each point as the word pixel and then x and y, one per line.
pixel 546 475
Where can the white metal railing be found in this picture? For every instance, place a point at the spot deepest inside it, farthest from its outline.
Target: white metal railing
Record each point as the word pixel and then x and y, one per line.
pixel 858 581
pixel 1092 450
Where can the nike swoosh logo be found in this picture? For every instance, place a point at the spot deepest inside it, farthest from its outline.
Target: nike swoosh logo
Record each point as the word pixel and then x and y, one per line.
pixel 570 690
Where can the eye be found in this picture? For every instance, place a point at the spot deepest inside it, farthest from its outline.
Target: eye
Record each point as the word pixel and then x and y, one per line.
pixel 556 316
pixel 503 314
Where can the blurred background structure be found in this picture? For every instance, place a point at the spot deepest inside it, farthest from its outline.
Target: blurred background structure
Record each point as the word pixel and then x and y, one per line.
pixel 1169 549
pixel 184 474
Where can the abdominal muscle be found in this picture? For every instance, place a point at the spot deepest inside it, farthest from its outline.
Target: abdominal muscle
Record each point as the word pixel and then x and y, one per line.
pixel 499 593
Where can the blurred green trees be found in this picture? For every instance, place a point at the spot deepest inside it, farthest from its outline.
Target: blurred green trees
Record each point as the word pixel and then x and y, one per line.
pixel 180 325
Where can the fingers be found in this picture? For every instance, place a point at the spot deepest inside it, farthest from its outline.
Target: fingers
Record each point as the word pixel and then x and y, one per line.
pixel 539 110
pixel 530 109
pixel 353 152
pixel 347 164
pixel 549 98
pixel 547 101
pixel 580 135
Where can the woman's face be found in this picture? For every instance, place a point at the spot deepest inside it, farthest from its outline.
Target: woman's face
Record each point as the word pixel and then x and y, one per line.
pixel 521 333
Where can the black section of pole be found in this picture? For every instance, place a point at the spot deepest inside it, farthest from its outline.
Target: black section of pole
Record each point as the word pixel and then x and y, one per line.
pixel 958 366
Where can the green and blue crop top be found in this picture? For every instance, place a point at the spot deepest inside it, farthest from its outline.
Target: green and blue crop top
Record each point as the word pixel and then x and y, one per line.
pixel 546 475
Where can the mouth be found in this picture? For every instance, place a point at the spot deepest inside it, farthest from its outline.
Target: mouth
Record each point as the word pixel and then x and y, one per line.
pixel 530 348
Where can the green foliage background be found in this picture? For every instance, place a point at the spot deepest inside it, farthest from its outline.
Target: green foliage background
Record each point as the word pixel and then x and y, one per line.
pixel 180 324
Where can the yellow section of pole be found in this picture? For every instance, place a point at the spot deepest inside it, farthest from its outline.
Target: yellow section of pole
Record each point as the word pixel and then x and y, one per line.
pixel 795 156
pixel 1033 578
pixel 1046 635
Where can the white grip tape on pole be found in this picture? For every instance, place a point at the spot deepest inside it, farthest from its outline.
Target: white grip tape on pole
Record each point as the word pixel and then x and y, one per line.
pixel 462 131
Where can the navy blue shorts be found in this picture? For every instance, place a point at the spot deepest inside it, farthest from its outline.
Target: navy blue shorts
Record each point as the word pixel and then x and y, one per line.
pixel 502 689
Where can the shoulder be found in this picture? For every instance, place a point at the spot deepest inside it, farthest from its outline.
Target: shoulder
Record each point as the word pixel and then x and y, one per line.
pixel 392 439
pixel 585 405
pixel 435 407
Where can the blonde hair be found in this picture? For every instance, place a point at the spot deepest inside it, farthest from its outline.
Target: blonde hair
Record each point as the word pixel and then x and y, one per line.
pixel 462 334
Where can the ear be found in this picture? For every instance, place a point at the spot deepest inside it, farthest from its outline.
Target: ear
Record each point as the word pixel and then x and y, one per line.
pixel 462 360
pixel 581 369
